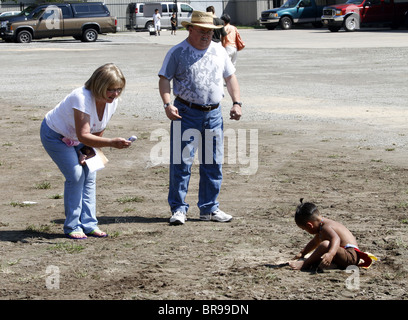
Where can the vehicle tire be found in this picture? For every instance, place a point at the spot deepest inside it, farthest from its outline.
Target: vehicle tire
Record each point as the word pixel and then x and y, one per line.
pixel 24 37
pixel 285 23
pixel 334 29
pixel 89 35
pixel 350 24
pixel 149 24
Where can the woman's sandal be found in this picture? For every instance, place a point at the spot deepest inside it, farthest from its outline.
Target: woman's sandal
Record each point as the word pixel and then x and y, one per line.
pixel 76 235
pixel 98 234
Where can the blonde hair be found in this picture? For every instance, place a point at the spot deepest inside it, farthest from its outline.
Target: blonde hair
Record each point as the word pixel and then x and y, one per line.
pixel 108 76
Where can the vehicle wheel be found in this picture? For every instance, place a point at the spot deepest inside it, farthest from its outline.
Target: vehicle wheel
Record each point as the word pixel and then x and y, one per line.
pixel 149 24
pixel 334 29
pixel 89 35
pixel 285 23
pixel 24 37
pixel 350 24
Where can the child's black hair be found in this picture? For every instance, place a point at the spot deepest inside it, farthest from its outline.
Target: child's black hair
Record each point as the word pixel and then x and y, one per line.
pixel 305 212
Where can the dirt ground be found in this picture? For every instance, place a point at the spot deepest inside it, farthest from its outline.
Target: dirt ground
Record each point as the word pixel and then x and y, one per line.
pixel 332 163
pixel 145 258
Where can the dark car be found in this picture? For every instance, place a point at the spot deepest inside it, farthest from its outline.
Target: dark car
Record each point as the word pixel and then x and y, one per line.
pixel 83 21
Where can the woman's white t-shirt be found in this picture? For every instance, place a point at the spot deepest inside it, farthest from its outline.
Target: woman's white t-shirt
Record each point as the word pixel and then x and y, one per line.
pixel 61 118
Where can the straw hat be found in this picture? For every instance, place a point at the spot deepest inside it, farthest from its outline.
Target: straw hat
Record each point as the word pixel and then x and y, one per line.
pixel 201 19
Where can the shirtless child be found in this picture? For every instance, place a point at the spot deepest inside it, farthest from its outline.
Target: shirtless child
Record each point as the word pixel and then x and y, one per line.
pixel 332 242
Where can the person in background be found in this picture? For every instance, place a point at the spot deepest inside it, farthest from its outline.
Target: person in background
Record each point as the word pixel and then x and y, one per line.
pixel 173 21
pixel 218 33
pixel 156 21
pixel 80 120
pixel 228 41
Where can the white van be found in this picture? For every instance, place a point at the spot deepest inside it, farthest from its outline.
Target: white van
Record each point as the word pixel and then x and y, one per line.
pixel 140 15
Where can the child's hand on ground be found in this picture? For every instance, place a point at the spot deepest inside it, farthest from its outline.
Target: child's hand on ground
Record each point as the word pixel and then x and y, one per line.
pixel 326 260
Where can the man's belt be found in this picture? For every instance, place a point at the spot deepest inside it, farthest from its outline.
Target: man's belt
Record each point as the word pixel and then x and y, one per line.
pixel 205 107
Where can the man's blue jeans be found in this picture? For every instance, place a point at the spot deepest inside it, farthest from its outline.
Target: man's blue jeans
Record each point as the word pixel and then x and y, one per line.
pixel 202 131
pixel 80 185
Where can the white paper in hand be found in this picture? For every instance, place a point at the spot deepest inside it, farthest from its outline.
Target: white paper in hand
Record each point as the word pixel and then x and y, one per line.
pixel 95 163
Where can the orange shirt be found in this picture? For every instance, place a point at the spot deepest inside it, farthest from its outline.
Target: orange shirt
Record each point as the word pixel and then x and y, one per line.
pixel 229 39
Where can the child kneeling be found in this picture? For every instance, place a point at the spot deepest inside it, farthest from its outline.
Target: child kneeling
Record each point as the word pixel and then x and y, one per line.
pixel 332 243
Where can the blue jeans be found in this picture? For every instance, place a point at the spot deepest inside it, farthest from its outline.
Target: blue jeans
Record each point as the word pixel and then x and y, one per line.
pixel 80 185
pixel 202 131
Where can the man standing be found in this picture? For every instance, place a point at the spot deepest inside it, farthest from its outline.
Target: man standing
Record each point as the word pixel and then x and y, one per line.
pixel 156 21
pixel 220 32
pixel 197 66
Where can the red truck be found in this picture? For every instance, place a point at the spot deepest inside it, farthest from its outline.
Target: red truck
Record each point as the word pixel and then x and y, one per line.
pixel 355 14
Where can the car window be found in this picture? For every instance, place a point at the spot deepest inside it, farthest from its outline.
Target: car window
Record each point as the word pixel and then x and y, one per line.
pixel 66 12
pixel 164 8
pixel 172 7
pixel 81 8
pixel 50 12
pixel 86 8
pixel 38 14
pixel 28 10
pixel 97 8
pixel 186 8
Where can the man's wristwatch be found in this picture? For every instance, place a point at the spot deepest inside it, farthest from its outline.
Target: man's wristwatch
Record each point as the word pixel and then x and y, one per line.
pixel 166 105
pixel 236 102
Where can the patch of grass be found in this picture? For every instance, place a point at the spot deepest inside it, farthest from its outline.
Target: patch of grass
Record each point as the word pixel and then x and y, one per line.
pixel 128 199
pixel 67 247
pixel 20 204
pixel 335 156
pixel 114 234
pixel 40 229
pixel 57 196
pixel 43 185
pixel 402 205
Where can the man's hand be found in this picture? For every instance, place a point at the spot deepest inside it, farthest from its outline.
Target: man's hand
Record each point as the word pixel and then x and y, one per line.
pixel 172 113
pixel 236 112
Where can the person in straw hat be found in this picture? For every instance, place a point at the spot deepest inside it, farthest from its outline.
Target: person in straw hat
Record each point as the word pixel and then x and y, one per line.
pixel 197 67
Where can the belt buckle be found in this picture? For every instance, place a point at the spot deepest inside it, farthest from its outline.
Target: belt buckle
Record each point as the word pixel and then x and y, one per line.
pixel 207 107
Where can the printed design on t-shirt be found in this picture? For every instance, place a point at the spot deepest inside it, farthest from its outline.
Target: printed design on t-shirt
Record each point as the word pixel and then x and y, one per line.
pixel 198 76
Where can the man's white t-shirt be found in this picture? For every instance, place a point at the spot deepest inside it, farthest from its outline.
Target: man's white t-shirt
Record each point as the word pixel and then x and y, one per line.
pixel 61 118
pixel 156 19
pixel 198 75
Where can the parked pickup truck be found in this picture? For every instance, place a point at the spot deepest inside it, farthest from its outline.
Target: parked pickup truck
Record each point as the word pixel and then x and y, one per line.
pixel 83 21
pixel 295 12
pixel 355 14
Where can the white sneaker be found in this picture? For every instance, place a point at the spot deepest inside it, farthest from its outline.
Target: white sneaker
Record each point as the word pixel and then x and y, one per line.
pixel 178 218
pixel 217 215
